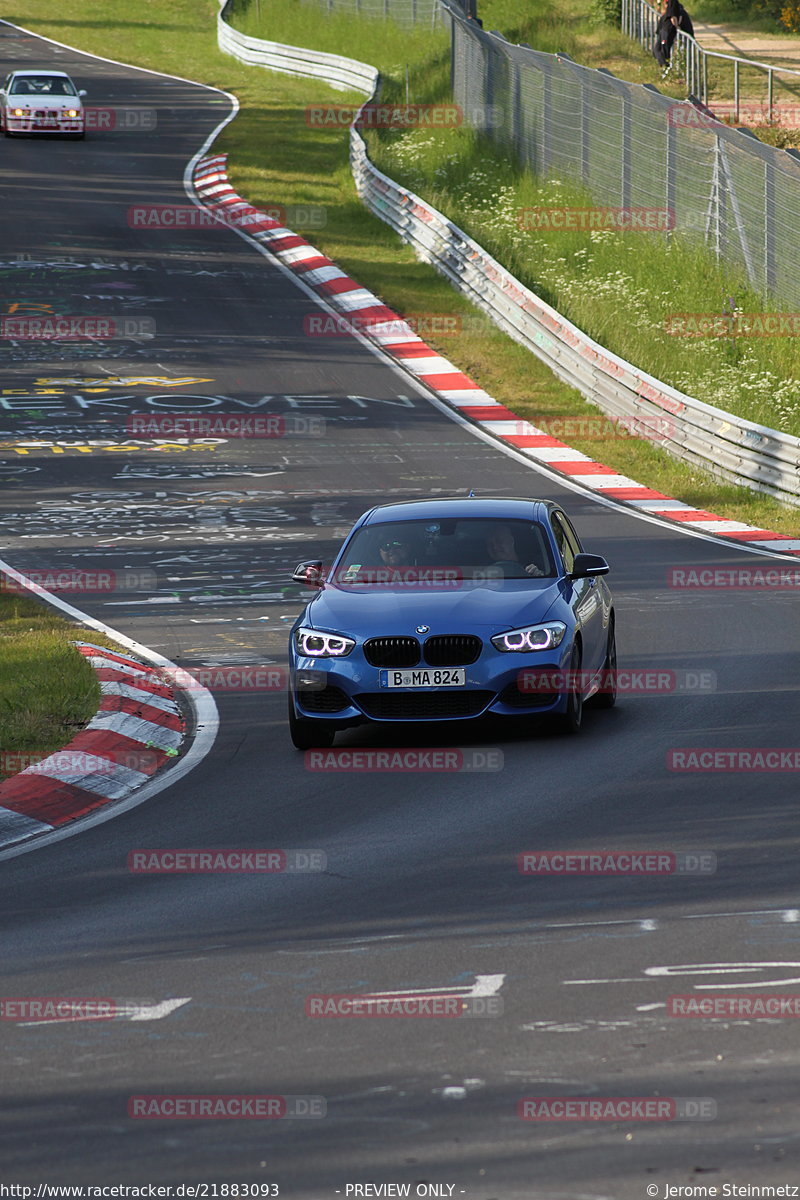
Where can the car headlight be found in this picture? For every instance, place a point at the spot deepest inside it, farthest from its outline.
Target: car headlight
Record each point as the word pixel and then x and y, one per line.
pixel 20 112
pixel 72 112
pixel 531 637
pixel 317 644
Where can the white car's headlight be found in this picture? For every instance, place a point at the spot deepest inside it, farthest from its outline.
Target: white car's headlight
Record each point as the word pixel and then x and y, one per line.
pixel 20 112
pixel 72 112
pixel 317 644
pixel 531 637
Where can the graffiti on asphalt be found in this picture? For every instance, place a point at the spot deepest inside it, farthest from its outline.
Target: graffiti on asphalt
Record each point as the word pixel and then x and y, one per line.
pixel 117 518
pixel 193 470
pixel 50 398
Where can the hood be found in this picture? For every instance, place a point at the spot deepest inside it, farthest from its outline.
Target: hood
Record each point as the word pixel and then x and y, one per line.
pixel 376 612
pixel 45 102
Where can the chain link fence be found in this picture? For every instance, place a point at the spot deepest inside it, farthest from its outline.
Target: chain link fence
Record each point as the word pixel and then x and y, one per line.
pixel 632 146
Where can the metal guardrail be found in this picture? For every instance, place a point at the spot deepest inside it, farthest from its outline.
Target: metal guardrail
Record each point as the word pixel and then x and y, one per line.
pixel 720 442
pixel 639 21
pixel 346 74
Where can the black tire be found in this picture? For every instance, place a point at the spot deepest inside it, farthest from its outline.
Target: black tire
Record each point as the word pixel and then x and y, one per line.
pixel 309 735
pixel 570 721
pixel 607 698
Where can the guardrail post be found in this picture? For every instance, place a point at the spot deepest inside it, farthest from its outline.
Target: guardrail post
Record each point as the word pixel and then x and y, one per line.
pixel 770 78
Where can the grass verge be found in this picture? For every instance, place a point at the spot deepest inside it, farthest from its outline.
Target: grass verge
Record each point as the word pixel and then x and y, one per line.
pixel 309 165
pixel 48 692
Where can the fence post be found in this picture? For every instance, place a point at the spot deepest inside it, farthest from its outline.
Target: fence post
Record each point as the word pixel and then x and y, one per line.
pixel 770 278
pixel 488 84
pixel 736 90
pixel 670 172
pixel 516 108
pixel 625 164
pixel 727 192
pixel 720 228
pixel 547 118
pixel 586 111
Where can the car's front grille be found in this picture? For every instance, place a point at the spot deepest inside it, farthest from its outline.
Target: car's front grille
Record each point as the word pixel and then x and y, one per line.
pixel 325 700
pixel 452 650
pixel 514 698
pixel 392 652
pixel 422 706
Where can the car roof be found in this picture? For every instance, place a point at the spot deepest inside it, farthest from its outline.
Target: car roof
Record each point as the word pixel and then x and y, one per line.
pixel 43 71
pixel 476 507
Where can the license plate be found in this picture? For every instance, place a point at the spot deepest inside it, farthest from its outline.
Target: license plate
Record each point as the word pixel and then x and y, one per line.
pixel 424 677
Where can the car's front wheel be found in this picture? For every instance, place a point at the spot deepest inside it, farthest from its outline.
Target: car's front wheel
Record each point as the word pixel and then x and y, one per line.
pixel 607 696
pixel 309 735
pixel 570 721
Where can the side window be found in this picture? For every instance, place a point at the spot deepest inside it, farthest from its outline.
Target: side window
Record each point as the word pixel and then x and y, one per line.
pixel 562 541
pixel 572 536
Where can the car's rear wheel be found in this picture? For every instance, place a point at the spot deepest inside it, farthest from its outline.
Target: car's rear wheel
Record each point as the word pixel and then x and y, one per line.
pixel 309 735
pixel 569 722
pixel 607 696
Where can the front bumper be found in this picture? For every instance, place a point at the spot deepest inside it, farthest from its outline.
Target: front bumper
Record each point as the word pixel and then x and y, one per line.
pixel 32 124
pixel 347 691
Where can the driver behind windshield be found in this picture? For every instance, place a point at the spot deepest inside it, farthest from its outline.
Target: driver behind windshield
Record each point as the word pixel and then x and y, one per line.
pixel 396 552
pixel 502 551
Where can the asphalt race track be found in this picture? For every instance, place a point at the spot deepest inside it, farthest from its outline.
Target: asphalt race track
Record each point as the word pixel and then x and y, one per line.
pixel 421 888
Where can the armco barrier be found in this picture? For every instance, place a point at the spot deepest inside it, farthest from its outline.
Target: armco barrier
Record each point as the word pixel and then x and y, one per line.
pixel 346 74
pixel 726 445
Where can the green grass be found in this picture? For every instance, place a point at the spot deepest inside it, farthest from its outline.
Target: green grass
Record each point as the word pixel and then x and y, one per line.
pixel 48 691
pixel 275 157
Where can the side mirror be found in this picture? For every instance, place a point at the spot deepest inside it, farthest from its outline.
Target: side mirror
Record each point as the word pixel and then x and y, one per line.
pixel 82 92
pixel 586 566
pixel 310 574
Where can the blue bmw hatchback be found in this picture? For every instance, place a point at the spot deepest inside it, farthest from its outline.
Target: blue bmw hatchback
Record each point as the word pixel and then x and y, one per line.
pixel 452 609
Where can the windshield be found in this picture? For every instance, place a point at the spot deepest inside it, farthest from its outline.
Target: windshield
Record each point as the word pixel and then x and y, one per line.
pixel 470 548
pixel 42 85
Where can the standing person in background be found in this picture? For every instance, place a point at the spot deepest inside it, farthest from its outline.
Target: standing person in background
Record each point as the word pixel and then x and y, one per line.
pixel 673 17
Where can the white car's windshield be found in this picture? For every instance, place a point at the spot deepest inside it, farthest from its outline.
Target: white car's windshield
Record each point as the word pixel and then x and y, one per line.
pixel 42 85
